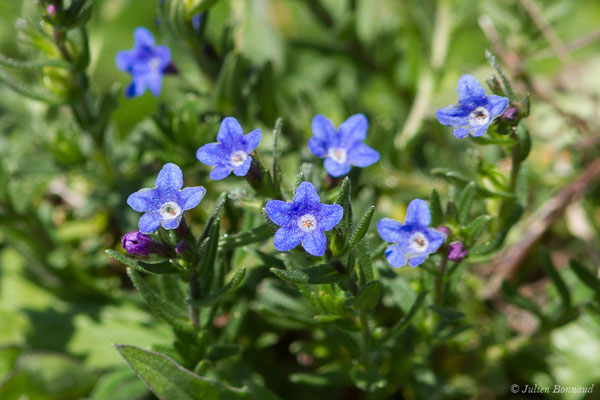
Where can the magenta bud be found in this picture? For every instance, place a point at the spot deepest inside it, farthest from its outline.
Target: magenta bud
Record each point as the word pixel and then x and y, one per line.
pixel 511 113
pixel 457 251
pixel 138 244
pixel 182 248
pixel 444 229
pixel 51 10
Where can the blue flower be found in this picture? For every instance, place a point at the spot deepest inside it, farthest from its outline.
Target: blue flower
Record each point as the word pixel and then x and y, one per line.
pixel 342 148
pixel 165 204
pixel 145 62
pixel 303 220
pixel 474 112
pixel 231 153
pixel 412 241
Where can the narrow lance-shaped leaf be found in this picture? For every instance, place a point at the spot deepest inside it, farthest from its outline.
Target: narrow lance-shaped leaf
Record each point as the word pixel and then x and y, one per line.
pixel 365 263
pixel 396 329
pixel 368 297
pixel 173 315
pixel 524 140
pixel 521 187
pixel 435 207
pixel 561 287
pixel 343 199
pixel 211 299
pixel 277 155
pixel 585 275
pixel 465 202
pixel 169 380
pixel 505 83
pixel 255 235
pixel 476 228
pixel 158 268
pixel 362 227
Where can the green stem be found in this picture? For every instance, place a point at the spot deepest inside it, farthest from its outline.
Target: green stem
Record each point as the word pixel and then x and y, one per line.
pixel 439 283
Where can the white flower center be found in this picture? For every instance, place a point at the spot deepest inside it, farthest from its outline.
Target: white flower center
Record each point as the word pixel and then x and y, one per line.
pixel 155 63
pixel 169 211
pixel 238 158
pixel 418 242
pixel 479 117
pixel 337 154
pixel 307 223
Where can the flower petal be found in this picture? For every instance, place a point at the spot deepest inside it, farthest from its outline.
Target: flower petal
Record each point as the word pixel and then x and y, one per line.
pixel 143 199
pixel 230 131
pixel 496 105
pixel 220 172
pixel 391 230
pixel 148 223
pixel 212 154
pixel 354 129
pixel 135 89
pixel 323 128
pixel 336 169
pixel 164 55
pixel 418 213
pixel 317 146
pixel 153 81
pixel 287 237
pixel 461 132
pixel 480 131
pixel 306 194
pixel 124 59
pixel 469 89
pixel 190 197
pixel 173 223
pixel 242 170
pixel 435 239
pixel 143 37
pixel 252 140
pixel 315 243
pixel 453 115
pixel 395 256
pixel 279 211
pixel 328 216
pixel 362 155
pixel 415 261
pixel 170 176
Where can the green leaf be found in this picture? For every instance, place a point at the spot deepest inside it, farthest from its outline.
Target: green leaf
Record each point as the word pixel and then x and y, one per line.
pixel 299 179
pixel 476 228
pixel 561 287
pixel 277 155
pixel 505 83
pixel 201 6
pixel 158 268
pixel 211 299
pixel 362 227
pixel 465 202
pixel 396 329
pixel 32 65
pixel 343 199
pixel 172 314
pixel 170 381
pixel 368 297
pixel 272 225
pixel 435 207
pixel 521 187
pixel 295 277
pixel 585 275
pixel 240 239
pixel 513 296
pixel 448 314
pixel 524 140
pixel 365 263
pixel 220 351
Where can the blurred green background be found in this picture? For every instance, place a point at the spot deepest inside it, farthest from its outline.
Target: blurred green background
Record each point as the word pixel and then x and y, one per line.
pixel 62 195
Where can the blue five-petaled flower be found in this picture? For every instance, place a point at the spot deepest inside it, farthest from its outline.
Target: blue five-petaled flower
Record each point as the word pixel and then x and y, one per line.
pixel 231 153
pixel 146 63
pixel 344 147
pixel 303 220
pixel 165 204
pixel 412 241
pixel 474 112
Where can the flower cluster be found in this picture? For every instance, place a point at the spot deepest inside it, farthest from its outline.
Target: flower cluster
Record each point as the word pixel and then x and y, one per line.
pixel 305 219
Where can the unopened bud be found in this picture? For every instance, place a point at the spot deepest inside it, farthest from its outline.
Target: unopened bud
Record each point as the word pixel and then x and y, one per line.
pixel 457 251
pixel 138 244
